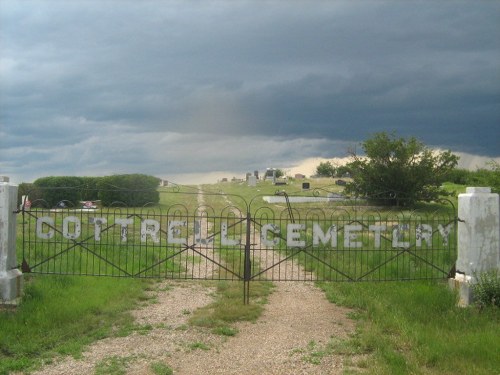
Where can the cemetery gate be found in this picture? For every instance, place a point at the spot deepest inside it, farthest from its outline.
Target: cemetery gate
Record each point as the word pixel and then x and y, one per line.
pixel 220 236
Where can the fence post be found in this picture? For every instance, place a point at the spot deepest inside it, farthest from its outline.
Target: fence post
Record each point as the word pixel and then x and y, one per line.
pixel 478 239
pixel 11 279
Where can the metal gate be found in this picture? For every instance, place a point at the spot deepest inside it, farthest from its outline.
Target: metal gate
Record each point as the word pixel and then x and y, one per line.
pixel 219 236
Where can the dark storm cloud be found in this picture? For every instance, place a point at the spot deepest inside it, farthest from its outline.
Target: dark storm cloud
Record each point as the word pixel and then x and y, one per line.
pixel 83 73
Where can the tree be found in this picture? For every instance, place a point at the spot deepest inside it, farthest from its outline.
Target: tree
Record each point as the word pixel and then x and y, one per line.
pixel 56 189
pixel 325 169
pixel 279 173
pixel 133 190
pixel 398 171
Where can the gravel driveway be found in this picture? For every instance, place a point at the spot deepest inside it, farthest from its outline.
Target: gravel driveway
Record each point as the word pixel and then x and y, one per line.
pixel 297 322
pixel 289 338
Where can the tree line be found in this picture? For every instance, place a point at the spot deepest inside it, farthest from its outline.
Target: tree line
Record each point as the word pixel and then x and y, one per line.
pixel 129 189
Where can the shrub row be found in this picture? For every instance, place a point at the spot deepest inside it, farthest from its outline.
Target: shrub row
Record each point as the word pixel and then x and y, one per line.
pixel 480 177
pixel 129 189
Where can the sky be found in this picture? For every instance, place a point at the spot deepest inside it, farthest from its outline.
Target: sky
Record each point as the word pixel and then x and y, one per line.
pixel 194 91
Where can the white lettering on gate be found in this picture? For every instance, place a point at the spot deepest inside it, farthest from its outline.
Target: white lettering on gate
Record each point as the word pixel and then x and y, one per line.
pixel 49 221
pixel 350 236
pixel 224 240
pixel 319 236
pixel 150 227
pixel 377 229
pixel 124 223
pixel 423 232
pixel 270 234
pixel 77 227
pixel 273 228
pixel 444 232
pixel 198 234
pixel 293 235
pixel 98 222
pixel 174 232
pixel 397 236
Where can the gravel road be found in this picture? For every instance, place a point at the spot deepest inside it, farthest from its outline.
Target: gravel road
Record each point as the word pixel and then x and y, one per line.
pixel 298 321
pixel 289 338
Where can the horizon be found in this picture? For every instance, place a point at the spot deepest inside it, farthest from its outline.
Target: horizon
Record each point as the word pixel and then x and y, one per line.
pixel 307 167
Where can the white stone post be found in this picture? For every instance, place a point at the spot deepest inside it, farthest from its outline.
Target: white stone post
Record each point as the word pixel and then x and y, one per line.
pixel 11 279
pixel 478 239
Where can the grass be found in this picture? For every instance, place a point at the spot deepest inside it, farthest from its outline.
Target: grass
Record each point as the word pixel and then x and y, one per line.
pixel 417 328
pixel 198 345
pixel 159 368
pixel 229 307
pixel 60 315
pixel 113 365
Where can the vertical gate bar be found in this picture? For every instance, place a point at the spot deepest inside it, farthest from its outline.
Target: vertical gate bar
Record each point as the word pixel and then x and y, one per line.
pixel 247 264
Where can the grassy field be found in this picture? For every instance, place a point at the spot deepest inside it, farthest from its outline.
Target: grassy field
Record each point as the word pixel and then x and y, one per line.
pixel 402 327
pixel 416 328
pixel 60 315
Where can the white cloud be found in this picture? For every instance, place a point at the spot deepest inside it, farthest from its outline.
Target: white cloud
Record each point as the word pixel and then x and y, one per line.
pixel 473 162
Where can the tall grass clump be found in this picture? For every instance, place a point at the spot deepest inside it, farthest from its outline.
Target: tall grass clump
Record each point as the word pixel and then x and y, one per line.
pixel 59 315
pixel 486 290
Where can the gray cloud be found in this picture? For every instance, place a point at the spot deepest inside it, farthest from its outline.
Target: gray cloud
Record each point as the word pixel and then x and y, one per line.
pixel 91 87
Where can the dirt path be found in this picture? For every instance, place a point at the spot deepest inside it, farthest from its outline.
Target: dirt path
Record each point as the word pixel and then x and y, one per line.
pixel 298 321
pixel 290 337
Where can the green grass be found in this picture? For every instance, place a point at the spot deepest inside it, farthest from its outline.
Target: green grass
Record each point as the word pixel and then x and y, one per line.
pixel 159 368
pixel 229 307
pixel 253 194
pixel 59 315
pixel 417 328
pixel 198 345
pixel 113 365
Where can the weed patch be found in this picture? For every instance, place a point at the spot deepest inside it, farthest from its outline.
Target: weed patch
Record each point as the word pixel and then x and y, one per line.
pixel 198 345
pixel 487 289
pixel 113 365
pixel 229 307
pixel 225 331
pixel 159 368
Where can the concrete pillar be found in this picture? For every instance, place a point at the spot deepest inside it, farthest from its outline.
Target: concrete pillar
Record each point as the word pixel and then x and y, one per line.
pixel 11 279
pixel 478 238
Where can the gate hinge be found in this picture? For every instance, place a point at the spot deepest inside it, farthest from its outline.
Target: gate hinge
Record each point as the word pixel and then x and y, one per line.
pixel 25 267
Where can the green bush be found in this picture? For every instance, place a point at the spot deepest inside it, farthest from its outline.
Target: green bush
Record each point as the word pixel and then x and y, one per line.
pixel 459 176
pixel 133 190
pixel 487 289
pixel 489 177
pixel 56 189
pixel 88 188
pixel 130 189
